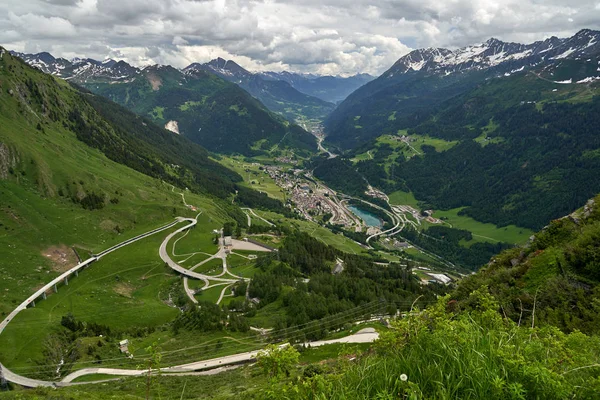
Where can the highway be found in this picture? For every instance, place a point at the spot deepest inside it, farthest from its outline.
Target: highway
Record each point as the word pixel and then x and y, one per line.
pixel 397 220
pixel 257 216
pixel 363 336
pixel 53 285
pixel 367 335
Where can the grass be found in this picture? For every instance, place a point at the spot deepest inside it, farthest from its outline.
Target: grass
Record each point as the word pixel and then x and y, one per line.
pixel 400 197
pixel 267 316
pixel 241 266
pixel 417 142
pixel 211 295
pixel 212 267
pixel 31 223
pixel 125 289
pixel 484 231
pixel 484 139
pixel 408 150
pixel 190 261
pixel 237 383
pixel 338 241
pixel 199 239
pixel 253 177
pixel 157 113
pixel 191 104
pixel 95 377
pixel 473 355
pixel 439 144
pixel 272 241
pixel 419 256
pixel 331 351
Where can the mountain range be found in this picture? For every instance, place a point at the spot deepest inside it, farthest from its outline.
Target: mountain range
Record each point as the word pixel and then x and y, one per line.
pixel 501 132
pixel 200 105
pixel 277 95
pixel 37 106
pixel 424 78
pixel 296 96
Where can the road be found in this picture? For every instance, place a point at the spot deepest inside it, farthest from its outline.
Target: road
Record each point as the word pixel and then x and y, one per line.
pixel 257 216
pixel 27 382
pixel 164 255
pixel 367 335
pixel 52 285
pixel 397 220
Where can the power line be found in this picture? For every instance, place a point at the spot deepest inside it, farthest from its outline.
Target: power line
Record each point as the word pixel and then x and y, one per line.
pixel 292 333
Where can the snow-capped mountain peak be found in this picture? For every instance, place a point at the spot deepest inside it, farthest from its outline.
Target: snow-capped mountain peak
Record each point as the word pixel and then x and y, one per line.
pixel 220 66
pixel 79 69
pixel 496 53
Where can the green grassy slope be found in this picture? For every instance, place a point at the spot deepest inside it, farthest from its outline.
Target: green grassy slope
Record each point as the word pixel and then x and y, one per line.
pixel 558 272
pixel 58 194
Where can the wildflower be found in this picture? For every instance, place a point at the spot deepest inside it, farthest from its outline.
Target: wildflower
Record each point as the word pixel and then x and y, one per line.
pixel 403 377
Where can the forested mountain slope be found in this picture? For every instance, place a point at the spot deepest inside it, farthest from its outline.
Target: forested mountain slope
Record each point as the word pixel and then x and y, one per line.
pixel 207 109
pixel 52 107
pixel 70 177
pixel 424 78
pixel 519 149
pixel 276 94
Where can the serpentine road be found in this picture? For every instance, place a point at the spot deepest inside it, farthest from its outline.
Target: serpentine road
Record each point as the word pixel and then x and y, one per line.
pixel 164 255
pixel 364 336
pixel 41 293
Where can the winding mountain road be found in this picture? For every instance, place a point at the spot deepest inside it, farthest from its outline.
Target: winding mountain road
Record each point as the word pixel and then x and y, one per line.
pixel 363 336
pixel 53 285
pixel 164 255
pixel 367 335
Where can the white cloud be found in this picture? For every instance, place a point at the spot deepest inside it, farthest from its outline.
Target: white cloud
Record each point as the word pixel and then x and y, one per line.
pixel 38 26
pixel 323 36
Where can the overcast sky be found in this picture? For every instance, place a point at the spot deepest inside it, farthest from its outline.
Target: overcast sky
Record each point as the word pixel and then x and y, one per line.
pixel 320 36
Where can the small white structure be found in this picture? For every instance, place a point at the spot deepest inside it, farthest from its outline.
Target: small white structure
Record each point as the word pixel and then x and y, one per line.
pixel 441 278
pixel 124 346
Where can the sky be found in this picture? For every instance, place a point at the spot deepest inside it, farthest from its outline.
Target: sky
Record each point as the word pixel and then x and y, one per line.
pixel 327 37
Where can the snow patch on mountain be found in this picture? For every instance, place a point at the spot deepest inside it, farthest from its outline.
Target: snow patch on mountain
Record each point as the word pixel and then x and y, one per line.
pixel 503 57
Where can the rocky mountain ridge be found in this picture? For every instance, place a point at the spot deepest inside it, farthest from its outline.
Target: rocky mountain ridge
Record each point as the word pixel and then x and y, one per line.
pixel 494 53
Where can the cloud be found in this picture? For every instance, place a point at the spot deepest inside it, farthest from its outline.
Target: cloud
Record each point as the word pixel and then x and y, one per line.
pixel 38 26
pixel 322 36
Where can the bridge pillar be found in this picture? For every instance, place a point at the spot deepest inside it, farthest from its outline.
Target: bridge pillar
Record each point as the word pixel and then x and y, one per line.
pixel 76 273
pixel 44 295
pixel 3 382
pixel 32 303
pixel 67 281
pixel 55 289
